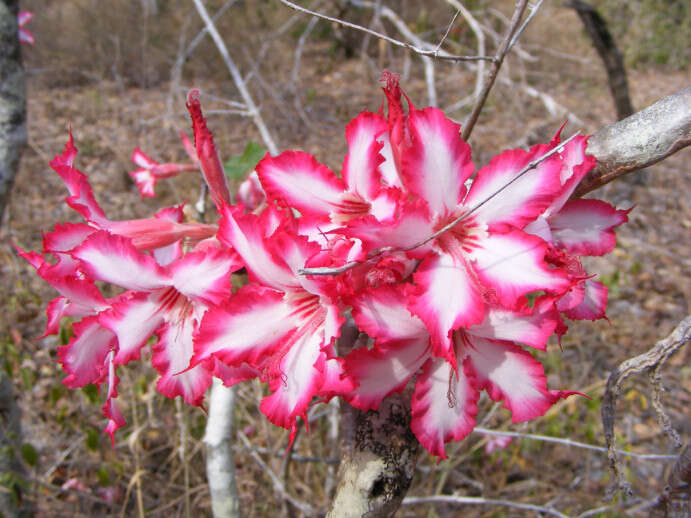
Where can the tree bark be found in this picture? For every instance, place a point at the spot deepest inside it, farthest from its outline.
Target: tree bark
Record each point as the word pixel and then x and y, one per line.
pixel 12 100
pixel 639 141
pixel 602 39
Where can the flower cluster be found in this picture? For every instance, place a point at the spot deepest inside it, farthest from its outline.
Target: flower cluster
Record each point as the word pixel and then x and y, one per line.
pixel 452 275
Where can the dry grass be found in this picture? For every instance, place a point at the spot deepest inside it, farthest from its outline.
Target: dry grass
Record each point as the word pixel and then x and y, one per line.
pixel 648 275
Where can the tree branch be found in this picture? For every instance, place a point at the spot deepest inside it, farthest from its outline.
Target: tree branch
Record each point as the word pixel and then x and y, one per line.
pixel 650 361
pixel 639 141
pixel 494 70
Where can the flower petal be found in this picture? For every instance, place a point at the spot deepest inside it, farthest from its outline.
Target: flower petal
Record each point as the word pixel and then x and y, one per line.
pixel 508 372
pixel 522 199
pixel 251 325
pixel 437 163
pixel 295 179
pixel 585 227
pixel 444 405
pixel 133 318
pixel 360 167
pixel 114 259
pixel 83 358
pixel 512 265
pixel 445 298
pixel 594 302
pixel 500 324
pixel 205 276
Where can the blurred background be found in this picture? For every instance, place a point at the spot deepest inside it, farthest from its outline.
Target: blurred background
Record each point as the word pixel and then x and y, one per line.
pixel 117 72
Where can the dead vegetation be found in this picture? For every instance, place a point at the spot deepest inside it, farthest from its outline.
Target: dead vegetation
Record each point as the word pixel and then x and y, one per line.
pixel 157 465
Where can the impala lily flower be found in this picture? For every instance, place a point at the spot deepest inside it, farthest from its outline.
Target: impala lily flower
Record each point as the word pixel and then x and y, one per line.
pixel 150 171
pixel 25 35
pixel 282 324
pixel 168 301
pixel 146 234
pixel 295 179
pixel 474 263
pixel 444 402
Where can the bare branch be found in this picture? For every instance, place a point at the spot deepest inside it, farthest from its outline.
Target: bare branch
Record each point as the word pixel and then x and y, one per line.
pixel 639 141
pixel 494 70
pixel 649 361
pixel 480 36
pixel 462 500
pixel 423 52
pixel 220 466
pixel 237 78
pixel 569 442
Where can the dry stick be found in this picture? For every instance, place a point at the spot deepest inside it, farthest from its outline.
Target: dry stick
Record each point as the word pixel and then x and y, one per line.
pixel 480 36
pixel 446 228
pixel 278 485
pixel 220 465
pixel 649 361
pixel 460 500
pixel 639 141
pixel 569 442
pixel 494 70
pixel 237 78
pixel 423 52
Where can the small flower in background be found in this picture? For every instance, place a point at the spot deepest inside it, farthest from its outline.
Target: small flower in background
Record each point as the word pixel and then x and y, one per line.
pixel 497 443
pixel 25 35
pixel 150 171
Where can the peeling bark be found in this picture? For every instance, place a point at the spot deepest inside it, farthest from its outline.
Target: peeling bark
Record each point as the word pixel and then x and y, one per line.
pixel 641 140
pixel 12 100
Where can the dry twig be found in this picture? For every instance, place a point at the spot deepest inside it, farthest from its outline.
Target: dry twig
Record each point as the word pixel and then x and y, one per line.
pixel 651 361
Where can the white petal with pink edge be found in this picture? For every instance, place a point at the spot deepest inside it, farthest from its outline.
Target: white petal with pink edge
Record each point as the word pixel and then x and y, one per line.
pixel 250 325
pixel 83 358
pixel 508 372
pixel 585 227
pixel 501 324
pixel 245 234
pixel 383 314
pixel 171 358
pixel 363 158
pixel 296 179
pixel 205 276
pixel 438 163
pixel 142 159
pixel 594 302
pixel 444 405
pixel 133 318
pixel 509 199
pixel 384 369
pixel 445 298
pixel 512 265
pixel 114 259
pixel 297 379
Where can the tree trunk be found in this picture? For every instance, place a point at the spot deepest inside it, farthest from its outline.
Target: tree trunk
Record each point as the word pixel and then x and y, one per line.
pixel 602 39
pixel 12 100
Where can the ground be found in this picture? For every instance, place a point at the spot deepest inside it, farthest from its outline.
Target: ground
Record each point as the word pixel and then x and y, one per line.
pixel 158 457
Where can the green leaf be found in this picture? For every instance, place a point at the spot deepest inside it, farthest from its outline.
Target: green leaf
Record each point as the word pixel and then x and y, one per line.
pixel 238 166
pixel 103 476
pixel 29 454
pixel 91 440
pixel 91 393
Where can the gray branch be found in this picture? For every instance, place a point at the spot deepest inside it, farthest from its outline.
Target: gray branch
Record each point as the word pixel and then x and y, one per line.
pixel 641 140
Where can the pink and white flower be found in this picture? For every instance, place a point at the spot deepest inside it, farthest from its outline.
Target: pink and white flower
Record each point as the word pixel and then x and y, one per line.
pixel 25 35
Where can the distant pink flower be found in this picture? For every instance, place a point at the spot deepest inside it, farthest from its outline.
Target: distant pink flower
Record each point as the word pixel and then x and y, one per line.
pixel 496 442
pixel 25 35
pixel 150 171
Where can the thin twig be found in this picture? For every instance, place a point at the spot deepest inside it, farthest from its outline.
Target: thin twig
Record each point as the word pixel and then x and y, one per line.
pixel 278 485
pixel 480 36
pixel 494 70
pixel 430 53
pixel 461 500
pixel 448 29
pixel 533 11
pixel 237 78
pixel 649 361
pixel 348 266
pixel 569 442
